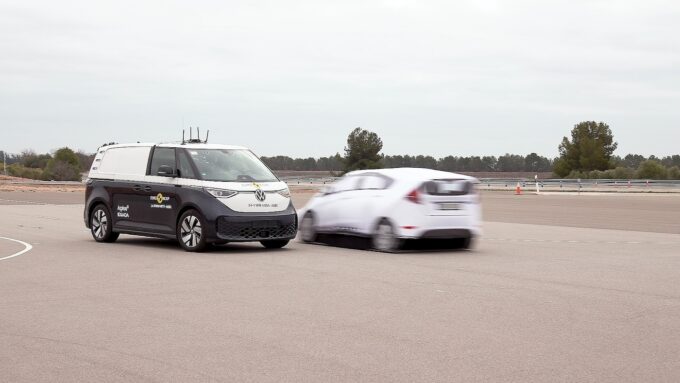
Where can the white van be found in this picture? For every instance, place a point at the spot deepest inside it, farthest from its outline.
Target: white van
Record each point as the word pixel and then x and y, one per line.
pixel 195 192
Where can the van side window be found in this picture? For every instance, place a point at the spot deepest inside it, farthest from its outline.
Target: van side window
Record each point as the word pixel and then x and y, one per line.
pixel 185 169
pixel 162 156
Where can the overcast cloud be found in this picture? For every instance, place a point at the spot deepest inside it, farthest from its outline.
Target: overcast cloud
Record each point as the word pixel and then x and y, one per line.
pixel 294 77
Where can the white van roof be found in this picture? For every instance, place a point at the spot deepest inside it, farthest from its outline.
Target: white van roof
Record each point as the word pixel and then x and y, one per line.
pixel 172 145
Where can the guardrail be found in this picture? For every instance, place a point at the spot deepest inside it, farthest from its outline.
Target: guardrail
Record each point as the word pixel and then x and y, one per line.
pixel 584 185
pixel 556 184
pixel 39 182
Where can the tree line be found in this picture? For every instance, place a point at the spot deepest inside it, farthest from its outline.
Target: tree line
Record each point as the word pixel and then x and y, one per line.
pixel 505 163
pixel 62 165
pixel 587 153
pixel 626 167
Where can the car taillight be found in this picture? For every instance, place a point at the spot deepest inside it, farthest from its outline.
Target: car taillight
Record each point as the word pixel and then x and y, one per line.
pixel 413 196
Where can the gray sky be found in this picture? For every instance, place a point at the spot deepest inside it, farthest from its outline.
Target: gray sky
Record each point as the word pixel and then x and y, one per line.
pixel 295 77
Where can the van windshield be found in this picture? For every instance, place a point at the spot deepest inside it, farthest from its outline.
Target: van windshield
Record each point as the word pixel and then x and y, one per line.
pixel 230 165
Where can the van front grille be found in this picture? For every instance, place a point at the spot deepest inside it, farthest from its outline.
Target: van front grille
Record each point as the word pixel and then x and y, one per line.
pixel 255 230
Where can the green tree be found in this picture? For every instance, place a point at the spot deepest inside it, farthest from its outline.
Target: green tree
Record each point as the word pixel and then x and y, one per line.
pixel 674 173
pixel 590 148
pixel 85 160
pixel 64 166
pixel 30 159
pixel 363 150
pixel 652 170
pixel 535 163
pixel 510 163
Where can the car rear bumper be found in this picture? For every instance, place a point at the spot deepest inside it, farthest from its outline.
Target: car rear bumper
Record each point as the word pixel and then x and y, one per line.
pixel 442 227
pixel 446 234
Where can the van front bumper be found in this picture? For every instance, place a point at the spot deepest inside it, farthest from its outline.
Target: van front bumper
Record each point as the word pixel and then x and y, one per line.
pixel 246 227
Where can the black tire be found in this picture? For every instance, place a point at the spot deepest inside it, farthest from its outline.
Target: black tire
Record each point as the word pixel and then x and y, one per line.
pixel 307 229
pixel 274 243
pixel 465 243
pixel 384 238
pixel 190 231
pixel 101 225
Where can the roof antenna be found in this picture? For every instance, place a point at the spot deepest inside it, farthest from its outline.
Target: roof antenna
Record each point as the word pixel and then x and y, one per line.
pixel 206 136
pixel 198 134
pixel 183 137
pixel 190 133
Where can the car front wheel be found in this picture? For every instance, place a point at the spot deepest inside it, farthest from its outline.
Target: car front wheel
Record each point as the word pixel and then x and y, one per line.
pixel 307 230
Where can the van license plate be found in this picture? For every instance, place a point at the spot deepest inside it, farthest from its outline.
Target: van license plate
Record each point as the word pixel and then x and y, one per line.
pixel 449 206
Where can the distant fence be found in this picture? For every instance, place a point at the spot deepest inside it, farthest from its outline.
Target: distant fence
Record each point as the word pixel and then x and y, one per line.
pixel 589 184
pixel 544 184
pixel 485 184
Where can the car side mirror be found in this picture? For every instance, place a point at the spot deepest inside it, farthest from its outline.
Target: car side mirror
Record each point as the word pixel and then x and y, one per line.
pixel 166 171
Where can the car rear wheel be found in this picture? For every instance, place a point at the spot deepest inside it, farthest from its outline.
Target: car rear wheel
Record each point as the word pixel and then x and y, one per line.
pixel 307 229
pixel 385 238
pixel 190 231
pixel 101 225
pixel 275 243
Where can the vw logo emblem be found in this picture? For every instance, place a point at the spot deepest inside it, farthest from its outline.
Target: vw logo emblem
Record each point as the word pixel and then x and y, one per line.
pixel 260 195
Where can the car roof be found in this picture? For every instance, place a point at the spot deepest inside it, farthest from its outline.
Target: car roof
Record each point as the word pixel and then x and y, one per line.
pixel 412 173
pixel 175 145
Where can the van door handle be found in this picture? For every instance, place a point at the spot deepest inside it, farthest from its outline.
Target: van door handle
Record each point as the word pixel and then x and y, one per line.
pixel 137 188
pixel 147 188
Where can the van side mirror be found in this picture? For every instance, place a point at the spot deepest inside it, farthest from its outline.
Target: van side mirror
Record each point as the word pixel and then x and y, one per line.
pixel 166 171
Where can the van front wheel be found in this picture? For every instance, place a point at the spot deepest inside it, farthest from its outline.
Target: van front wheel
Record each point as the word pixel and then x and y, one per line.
pixel 190 231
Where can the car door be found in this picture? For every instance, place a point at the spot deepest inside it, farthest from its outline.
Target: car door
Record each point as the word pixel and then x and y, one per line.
pixel 159 202
pixel 327 209
pixel 367 202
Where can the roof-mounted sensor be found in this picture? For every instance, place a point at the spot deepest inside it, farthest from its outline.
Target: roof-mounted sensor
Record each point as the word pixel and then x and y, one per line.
pixel 196 140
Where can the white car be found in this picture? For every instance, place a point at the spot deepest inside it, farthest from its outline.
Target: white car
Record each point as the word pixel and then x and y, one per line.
pixel 392 205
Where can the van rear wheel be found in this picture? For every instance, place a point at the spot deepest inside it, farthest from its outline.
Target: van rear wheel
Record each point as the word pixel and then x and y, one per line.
pixel 190 231
pixel 274 243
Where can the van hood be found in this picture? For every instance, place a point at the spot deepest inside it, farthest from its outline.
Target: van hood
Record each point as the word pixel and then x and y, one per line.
pixel 246 200
pixel 246 186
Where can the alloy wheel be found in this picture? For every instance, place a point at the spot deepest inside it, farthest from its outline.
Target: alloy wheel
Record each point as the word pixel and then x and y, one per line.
pixel 100 223
pixel 191 231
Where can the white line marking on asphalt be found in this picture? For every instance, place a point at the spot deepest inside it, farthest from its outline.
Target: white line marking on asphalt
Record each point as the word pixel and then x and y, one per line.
pixel 571 241
pixel 27 247
pixel 22 201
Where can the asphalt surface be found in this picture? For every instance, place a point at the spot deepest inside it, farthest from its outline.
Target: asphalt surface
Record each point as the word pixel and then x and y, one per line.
pixel 536 301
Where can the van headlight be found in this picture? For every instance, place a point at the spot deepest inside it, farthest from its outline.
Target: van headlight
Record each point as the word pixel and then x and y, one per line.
pixel 284 192
pixel 221 193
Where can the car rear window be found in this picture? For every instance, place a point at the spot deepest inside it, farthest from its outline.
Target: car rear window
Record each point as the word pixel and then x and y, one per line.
pixel 448 187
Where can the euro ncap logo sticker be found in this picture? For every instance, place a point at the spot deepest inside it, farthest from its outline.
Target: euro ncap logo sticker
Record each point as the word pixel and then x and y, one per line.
pixel 159 198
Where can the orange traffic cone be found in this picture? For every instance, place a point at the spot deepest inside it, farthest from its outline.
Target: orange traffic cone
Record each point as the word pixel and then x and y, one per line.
pixel 518 189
